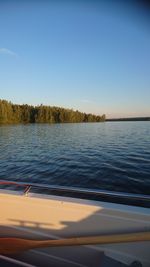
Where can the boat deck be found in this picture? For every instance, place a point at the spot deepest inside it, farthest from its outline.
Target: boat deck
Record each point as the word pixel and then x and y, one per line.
pixel 75 256
pixel 50 217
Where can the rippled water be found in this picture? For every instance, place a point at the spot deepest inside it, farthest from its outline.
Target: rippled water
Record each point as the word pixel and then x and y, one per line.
pixel 112 155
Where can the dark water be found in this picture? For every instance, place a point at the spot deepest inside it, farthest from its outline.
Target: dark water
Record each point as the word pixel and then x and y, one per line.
pixel 113 155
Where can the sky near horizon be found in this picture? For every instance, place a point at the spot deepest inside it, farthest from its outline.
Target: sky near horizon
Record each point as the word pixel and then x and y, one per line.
pixel 93 56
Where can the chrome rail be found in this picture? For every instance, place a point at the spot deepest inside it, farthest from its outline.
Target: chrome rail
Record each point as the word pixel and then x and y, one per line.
pixel 79 190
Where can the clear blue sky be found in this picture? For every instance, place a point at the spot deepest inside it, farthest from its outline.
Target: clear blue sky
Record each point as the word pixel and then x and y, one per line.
pixel 92 56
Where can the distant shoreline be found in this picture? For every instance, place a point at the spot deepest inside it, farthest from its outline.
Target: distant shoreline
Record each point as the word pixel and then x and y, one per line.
pixel 130 119
pixel 22 114
pixel 107 120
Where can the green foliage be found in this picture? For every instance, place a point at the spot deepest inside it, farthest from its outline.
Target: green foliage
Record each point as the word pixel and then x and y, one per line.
pixel 10 113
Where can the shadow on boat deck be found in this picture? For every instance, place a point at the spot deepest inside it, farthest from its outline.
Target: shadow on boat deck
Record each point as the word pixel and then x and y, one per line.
pixel 33 218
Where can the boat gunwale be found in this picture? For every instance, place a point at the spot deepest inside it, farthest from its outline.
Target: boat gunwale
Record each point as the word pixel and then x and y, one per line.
pixel 78 190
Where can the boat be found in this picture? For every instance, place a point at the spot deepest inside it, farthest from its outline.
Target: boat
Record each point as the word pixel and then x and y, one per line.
pixel 85 228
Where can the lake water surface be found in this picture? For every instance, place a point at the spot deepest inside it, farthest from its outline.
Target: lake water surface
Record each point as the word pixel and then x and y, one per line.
pixel 113 155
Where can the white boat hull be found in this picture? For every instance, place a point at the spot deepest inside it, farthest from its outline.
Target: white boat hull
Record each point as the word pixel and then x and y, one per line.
pixel 39 216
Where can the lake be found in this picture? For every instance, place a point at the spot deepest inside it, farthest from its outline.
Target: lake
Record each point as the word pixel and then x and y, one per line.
pixel 112 155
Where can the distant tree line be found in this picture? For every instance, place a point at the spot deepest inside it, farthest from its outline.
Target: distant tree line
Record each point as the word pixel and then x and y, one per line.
pixel 131 119
pixel 12 113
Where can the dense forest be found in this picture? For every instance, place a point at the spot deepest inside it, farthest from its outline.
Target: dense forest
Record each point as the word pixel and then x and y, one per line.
pixel 12 113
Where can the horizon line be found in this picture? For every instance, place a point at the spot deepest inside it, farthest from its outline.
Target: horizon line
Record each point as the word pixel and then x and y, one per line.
pixel 74 109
